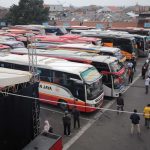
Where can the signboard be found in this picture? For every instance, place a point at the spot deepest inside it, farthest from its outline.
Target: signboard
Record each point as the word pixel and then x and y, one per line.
pixel 147 25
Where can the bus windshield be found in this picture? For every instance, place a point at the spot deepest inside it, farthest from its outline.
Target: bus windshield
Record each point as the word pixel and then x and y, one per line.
pixel 94 89
pixel 125 44
pixel 90 75
pixel 147 40
pixel 116 66
pixel 118 81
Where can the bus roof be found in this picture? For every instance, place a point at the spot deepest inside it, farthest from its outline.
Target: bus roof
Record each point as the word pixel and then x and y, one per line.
pixel 109 49
pixel 91 46
pixel 10 42
pixel 109 34
pixel 63 54
pixel 4 47
pixel 79 45
pixel 45 62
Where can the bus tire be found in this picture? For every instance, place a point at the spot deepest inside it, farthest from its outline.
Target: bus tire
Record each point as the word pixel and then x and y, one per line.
pixel 63 105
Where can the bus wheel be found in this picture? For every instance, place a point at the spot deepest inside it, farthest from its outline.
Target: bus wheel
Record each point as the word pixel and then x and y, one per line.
pixel 63 105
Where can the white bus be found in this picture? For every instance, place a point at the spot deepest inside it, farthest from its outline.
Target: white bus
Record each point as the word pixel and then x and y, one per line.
pixel 101 50
pixel 62 82
pixel 113 71
pixel 90 48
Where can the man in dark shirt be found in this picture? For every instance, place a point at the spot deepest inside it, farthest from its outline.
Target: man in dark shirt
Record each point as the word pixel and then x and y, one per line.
pixel 67 123
pixel 120 103
pixel 135 118
pixel 76 116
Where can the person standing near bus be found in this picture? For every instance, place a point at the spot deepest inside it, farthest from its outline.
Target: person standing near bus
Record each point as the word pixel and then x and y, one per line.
pixel 147 115
pixel 144 69
pixel 130 74
pixel 134 63
pixel 147 82
pixel 67 123
pixel 120 103
pixel 76 116
pixel 135 119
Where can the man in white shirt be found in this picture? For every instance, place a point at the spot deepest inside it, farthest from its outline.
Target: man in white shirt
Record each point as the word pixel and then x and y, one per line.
pixel 147 81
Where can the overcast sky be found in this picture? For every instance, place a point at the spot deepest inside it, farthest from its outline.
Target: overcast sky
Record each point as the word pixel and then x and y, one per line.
pixel 8 3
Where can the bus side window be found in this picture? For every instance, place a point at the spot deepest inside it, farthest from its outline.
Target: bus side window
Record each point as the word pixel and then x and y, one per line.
pixel 21 67
pixel 57 77
pixel 6 65
pixel 44 74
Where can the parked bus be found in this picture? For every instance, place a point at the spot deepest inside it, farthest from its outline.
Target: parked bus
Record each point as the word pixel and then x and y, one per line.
pixel 90 48
pixel 13 44
pixel 142 41
pixel 142 44
pixel 133 30
pixel 113 71
pixel 125 42
pixel 62 82
pixel 101 50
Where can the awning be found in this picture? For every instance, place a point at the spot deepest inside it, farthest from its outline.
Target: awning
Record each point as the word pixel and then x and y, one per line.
pixel 9 77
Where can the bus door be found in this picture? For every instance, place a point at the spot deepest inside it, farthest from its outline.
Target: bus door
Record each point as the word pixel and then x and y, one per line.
pixel 141 46
pixel 107 83
pixel 78 91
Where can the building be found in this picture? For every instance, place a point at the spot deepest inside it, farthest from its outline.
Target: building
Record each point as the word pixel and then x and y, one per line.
pixel 55 12
pixel 144 20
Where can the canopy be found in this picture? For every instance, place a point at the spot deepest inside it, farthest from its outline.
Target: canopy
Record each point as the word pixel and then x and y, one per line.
pixel 9 77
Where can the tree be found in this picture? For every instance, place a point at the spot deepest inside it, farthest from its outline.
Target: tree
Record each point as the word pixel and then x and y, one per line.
pixel 28 12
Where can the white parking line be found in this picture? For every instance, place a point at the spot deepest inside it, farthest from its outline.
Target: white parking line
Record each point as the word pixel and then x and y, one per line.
pixel 91 122
pixel 132 83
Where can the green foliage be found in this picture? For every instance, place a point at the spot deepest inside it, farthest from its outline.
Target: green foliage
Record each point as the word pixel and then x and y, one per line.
pixel 28 12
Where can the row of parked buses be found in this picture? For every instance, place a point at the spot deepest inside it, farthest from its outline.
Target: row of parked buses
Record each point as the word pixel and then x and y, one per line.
pixel 74 70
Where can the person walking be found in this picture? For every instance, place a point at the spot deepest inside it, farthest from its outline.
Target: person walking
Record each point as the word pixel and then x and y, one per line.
pixel 135 119
pixel 67 123
pixel 144 69
pixel 76 116
pixel 130 74
pixel 146 113
pixel 120 103
pixel 133 60
pixel 147 82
